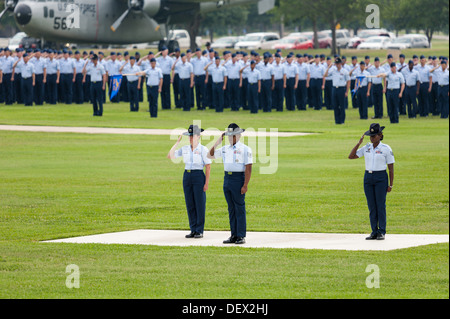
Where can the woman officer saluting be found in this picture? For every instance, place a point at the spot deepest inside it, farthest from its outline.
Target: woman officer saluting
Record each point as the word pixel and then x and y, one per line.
pixel 376 183
pixel 195 181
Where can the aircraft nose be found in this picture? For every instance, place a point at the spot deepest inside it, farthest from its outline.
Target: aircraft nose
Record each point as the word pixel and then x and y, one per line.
pixel 23 14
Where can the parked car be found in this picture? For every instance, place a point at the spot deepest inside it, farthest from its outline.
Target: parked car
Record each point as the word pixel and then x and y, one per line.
pixel 225 43
pixel 183 38
pixel 375 43
pixel 294 43
pixel 342 37
pixel 410 41
pixel 324 40
pixel 363 35
pixel 256 41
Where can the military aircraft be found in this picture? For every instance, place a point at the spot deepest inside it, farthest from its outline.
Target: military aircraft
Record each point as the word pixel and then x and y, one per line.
pixel 111 21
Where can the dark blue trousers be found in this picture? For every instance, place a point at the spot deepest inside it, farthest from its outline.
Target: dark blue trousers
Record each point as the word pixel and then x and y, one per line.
pixel 410 99
pixel 393 102
pixel 266 95
pixel 152 93
pixel 378 97
pixel 363 102
pixel 208 93
pixel 443 101
pixel 375 188
pixel 52 89
pixel 97 98
pixel 185 94
pixel 195 197
pixel 338 96
pixel 176 90
pixel 78 91
pixel 18 97
pixel 290 95
pixel 278 95
pixel 218 97
pixel 232 186
pixel 27 91
pixel 234 94
pixel 244 92
pixel 123 93
pixel 253 97
pixel 165 94
pixel 328 94
pixel 200 91
pixel 39 90
pixel 67 87
pixel 133 95
pixel 301 95
pixel 8 88
pixel 316 94
pixel 423 99
pixel 434 109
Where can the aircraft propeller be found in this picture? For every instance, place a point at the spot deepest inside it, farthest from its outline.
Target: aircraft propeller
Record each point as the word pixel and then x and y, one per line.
pixel 136 5
pixel 9 6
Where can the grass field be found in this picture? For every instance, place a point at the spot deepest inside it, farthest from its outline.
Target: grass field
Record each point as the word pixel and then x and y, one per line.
pixel 64 185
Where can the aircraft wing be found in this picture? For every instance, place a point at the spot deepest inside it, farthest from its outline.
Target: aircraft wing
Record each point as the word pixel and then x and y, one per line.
pixel 263 5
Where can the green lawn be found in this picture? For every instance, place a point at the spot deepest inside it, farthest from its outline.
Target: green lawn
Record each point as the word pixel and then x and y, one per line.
pixel 64 185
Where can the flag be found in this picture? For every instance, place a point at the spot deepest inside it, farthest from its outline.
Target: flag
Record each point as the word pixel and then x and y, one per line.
pixel 359 80
pixel 116 81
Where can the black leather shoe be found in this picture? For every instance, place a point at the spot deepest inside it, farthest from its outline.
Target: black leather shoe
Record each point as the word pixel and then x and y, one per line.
pixel 231 240
pixel 372 237
pixel 381 237
pixel 240 241
pixel 191 235
pixel 198 235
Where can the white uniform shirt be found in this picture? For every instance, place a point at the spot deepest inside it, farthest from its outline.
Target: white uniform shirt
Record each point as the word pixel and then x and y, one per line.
pixel 378 158
pixel 194 159
pixel 235 158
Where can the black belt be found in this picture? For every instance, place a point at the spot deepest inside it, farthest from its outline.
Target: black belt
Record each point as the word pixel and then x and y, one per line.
pixel 234 173
pixel 193 170
pixel 372 172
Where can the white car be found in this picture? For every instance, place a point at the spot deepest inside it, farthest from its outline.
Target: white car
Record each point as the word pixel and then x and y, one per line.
pixel 410 41
pixel 375 43
pixel 363 35
pixel 256 41
pixel 342 37
pixel 225 43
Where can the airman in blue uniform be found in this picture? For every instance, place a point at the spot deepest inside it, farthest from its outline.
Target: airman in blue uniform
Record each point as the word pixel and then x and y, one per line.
pixel 238 162
pixel 412 88
pixel 376 182
pixel 195 180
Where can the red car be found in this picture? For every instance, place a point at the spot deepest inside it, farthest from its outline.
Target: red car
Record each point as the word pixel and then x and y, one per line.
pixel 294 43
pixel 324 40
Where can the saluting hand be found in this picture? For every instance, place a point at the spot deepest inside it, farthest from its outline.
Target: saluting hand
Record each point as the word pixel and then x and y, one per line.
pixel 362 139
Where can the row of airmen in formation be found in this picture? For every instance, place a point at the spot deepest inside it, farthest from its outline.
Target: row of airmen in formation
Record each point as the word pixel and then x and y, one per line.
pixel 235 80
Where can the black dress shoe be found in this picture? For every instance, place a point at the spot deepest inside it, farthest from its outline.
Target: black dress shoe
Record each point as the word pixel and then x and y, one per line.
pixel 381 237
pixel 231 240
pixel 191 235
pixel 240 241
pixel 372 237
pixel 198 235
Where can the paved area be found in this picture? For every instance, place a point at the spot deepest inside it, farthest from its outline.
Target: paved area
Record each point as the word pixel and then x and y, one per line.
pixel 352 242
pixel 132 131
